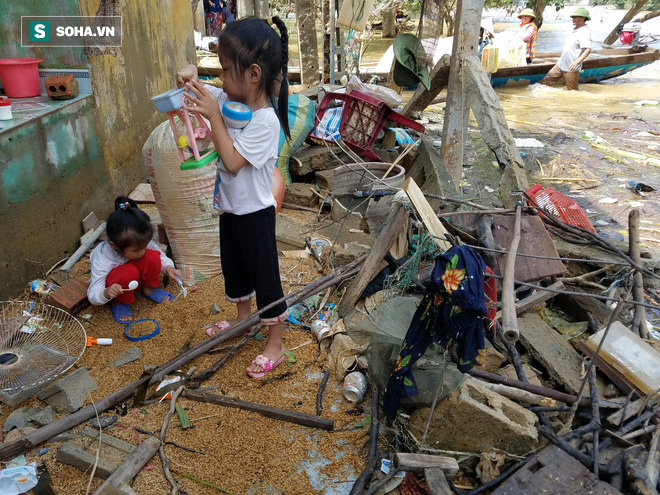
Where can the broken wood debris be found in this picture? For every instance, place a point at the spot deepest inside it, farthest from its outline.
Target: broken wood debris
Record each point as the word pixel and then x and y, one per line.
pixel 268 411
pixel 584 438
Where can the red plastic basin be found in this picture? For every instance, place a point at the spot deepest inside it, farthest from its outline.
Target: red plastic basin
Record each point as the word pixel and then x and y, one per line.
pixel 20 77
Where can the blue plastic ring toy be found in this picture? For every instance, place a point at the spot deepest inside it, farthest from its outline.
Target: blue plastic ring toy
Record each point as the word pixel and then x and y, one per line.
pixel 142 337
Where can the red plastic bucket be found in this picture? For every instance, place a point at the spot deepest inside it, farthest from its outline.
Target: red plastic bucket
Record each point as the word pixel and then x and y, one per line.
pixel 20 77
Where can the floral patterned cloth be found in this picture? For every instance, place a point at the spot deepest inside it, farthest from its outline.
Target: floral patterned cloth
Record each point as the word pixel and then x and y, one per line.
pixel 452 310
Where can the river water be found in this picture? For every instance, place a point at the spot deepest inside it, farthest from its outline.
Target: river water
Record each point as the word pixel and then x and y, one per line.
pixel 594 141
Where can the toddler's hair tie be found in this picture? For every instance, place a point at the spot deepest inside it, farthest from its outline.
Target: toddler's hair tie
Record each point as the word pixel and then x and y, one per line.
pixel 124 206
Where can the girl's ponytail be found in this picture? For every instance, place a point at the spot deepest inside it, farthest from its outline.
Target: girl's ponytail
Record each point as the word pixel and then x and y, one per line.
pixel 283 98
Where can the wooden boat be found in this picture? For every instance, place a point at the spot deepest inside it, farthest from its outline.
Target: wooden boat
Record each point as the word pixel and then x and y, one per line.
pixel 601 65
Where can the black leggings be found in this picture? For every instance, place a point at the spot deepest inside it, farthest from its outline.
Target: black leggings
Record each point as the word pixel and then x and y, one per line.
pixel 248 252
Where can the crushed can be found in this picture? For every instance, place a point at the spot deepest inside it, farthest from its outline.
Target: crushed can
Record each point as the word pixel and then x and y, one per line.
pixel 320 329
pixel 355 386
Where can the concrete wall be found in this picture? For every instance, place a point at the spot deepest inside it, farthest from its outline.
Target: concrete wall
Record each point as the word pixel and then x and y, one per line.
pixel 56 169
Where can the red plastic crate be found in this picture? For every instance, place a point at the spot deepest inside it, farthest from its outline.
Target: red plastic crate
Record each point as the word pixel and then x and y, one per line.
pixel 560 206
pixel 362 119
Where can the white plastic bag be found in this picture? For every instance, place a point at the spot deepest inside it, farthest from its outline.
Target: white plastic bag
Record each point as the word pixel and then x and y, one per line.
pixel 512 50
pixel 389 96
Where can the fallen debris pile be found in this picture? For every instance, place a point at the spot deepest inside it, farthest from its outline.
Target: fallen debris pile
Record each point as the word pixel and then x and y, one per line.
pixel 511 342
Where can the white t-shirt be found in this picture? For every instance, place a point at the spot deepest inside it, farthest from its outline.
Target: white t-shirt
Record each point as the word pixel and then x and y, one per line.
pixel 103 260
pixel 248 190
pixel 578 39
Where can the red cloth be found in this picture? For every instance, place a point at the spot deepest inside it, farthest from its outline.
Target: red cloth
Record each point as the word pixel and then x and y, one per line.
pixel 490 289
pixel 146 271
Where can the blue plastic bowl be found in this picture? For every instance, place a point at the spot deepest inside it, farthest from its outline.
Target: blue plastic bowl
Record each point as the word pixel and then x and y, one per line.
pixel 236 114
pixel 169 100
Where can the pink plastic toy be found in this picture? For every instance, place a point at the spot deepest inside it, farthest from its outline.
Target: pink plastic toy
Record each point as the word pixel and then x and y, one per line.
pixel 196 128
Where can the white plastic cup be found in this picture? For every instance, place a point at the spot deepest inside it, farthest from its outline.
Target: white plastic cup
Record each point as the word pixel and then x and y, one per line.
pixel 320 329
pixel 355 386
pixel 5 109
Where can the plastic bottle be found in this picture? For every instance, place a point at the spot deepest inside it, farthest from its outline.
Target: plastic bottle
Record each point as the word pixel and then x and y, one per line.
pixel 92 341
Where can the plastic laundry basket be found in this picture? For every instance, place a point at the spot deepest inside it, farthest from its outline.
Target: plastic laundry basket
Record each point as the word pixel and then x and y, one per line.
pixel 560 206
pixel 20 77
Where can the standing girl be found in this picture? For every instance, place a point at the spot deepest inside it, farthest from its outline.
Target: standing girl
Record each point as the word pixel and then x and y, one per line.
pixel 254 69
pixel 128 254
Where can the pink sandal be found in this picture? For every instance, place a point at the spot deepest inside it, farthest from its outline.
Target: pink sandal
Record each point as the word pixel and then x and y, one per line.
pixel 266 364
pixel 218 328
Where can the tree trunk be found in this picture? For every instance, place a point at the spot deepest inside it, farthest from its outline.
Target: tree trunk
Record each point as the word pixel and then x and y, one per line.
pixel 634 10
pixel 539 7
pixel 388 29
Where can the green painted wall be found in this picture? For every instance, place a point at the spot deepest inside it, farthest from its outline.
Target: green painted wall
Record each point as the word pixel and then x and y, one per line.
pixel 58 168
pixel 10 33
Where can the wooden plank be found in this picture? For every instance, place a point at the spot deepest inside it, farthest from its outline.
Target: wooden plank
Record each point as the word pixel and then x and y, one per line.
pixel 552 350
pixel 436 481
pixel 128 469
pixel 426 214
pixel 608 370
pixel 534 240
pixel 633 409
pixel 554 471
pixel 422 98
pixel 417 463
pixel 268 411
pixel 393 227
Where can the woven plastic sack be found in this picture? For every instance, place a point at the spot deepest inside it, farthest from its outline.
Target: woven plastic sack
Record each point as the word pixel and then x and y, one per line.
pixel 301 120
pixel 184 200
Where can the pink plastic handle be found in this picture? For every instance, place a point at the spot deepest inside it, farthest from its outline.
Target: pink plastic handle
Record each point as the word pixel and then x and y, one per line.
pixel 183 102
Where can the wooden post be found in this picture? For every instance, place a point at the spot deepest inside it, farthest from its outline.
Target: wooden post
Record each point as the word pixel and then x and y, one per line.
pixel 388 29
pixel 495 131
pixel 509 319
pixel 639 320
pixel 307 43
pixel 261 9
pixel 244 8
pixel 466 36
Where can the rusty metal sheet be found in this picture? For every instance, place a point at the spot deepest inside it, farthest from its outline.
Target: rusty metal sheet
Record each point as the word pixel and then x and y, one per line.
pixel 534 240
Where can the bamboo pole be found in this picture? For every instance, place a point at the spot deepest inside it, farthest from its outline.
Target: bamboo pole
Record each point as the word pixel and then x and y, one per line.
pixel 509 318
pixel 639 320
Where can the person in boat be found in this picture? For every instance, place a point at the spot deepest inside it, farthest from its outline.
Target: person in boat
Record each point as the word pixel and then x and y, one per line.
pixel 576 49
pixel 527 32
pixel 486 35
